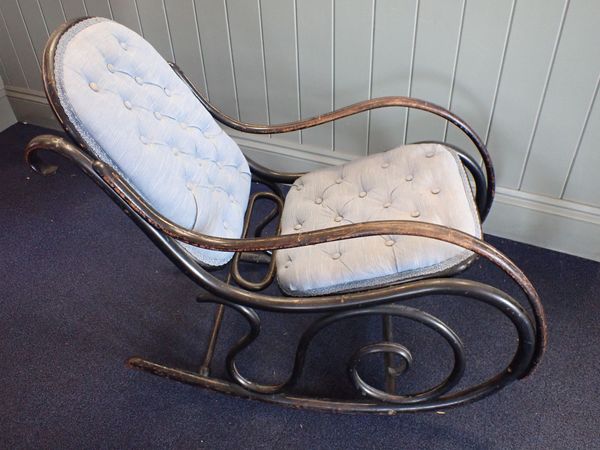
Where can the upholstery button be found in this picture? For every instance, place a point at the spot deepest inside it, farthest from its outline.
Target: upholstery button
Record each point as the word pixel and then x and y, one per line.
pixel 409 178
pixel 175 151
pixel 143 139
pixel 387 204
pixel 225 225
pixel 338 181
pixel 167 92
pixel 338 218
pixel 123 45
pixel 298 187
pixel 127 104
pixel 415 214
pixel 429 155
pixel 110 68
pixel 337 255
pixel 362 194
pixel 435 191
pixel 318 200
pixel 189 186
pixel 183 125
pixel 385 165
pixel 389 243
pixel 94 87
pixel 139 81
pixel 157 115
pixel 287 266
pixel 297 226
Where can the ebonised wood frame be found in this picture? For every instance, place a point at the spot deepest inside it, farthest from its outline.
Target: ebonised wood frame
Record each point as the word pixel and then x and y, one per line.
pixel 388 301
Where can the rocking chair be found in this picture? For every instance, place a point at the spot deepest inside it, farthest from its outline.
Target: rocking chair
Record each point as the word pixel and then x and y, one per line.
pixel 351 241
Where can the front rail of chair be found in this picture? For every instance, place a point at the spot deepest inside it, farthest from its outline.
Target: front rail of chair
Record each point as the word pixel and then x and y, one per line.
pixel 486 195
pixel 163 232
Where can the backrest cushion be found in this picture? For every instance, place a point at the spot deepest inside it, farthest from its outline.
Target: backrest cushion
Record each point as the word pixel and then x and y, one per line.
pixel 136 114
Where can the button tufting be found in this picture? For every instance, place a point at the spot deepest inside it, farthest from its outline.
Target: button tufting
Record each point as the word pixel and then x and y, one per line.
pixel 297 226
pixel 385 165
pixel 189 186
pixel 225 225
pixel 318 200
pixel 429 155
pixel 338 181
pixel 387 204
pixel 175 151
pixel 337 255
pixel 287 266
pixel 110 68
pixel 338 218
pixel 157 115
pixel 409 178
pixel 94 87
pixel 139 81
pixel 127 104
pixel 123 45
pixel 435 191
pixel 389 243
pixel 143 139
pixel 362 194
pixel 183 125
pixel 298 187
pixel 415 214
pixel 167 92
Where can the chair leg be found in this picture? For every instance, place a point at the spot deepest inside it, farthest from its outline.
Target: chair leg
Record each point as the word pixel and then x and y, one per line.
pixel 212 341
pixel 388 358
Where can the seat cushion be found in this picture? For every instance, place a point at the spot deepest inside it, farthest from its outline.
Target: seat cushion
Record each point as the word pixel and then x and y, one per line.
pixel 421 182
pixel 137 115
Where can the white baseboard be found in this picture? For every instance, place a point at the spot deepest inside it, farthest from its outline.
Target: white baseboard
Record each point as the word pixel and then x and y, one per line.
pixel 7 116
pixel 555 224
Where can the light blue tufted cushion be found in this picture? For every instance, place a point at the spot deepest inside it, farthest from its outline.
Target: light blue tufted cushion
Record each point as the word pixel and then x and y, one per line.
pixel 424 182
pixel 136 114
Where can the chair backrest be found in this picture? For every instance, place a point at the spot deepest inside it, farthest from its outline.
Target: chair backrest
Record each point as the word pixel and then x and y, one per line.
pixel 135 113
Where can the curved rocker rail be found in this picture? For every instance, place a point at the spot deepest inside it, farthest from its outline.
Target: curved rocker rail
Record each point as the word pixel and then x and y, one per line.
pixel 531 331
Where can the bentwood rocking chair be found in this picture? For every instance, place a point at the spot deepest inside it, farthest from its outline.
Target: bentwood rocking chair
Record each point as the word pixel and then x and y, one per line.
pixel 356 240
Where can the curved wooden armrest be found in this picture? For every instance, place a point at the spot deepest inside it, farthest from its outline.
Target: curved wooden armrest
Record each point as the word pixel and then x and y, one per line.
pixel 367 105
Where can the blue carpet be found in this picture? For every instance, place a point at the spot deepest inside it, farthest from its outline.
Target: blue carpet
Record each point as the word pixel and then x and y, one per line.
pixel 83 289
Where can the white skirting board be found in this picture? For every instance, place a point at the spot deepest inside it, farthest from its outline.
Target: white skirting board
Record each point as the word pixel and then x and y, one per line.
pixel 7 117
pixel 546 222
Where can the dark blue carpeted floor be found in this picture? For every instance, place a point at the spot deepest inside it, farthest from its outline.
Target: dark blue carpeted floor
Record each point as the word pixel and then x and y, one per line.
pixel 83 289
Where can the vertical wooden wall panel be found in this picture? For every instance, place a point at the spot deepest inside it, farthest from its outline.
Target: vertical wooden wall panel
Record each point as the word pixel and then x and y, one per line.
pixel 315 55
pixel 125 12
pixel 186 44
pixel 352 62
pixel 154 26
pixel 435 52
pixel 53 13
pixel 23 46
pixel 3 75
pixel 584 183
pixel 212 24
pixel 571 85
pixel 392 57
pixel 36 28
pixel 278 21
pixel 246 46
pixel 12 64
pixel 528 55
pixel 74 8
pixel 97 8
pixel 479 62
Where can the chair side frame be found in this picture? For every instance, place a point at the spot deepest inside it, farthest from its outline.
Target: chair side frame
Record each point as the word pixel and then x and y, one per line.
pixel 388 301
